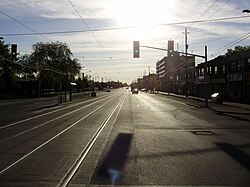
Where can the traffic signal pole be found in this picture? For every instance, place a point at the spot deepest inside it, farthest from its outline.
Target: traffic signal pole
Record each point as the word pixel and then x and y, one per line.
pixel 200 56
pixel 186 77
pixel 206 78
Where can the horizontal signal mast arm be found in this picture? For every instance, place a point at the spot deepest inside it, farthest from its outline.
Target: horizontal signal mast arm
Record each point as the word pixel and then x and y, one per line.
pixel 167 50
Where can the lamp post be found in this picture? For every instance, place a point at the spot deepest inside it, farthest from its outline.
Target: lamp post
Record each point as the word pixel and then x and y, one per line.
pixel 246 11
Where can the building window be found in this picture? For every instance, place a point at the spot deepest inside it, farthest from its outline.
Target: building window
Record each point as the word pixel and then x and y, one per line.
pixel 208 70
pixel 223 69
pixel 233 66
pixel 240 65
pixel 215 70
pixel 202 71
pixel 248 64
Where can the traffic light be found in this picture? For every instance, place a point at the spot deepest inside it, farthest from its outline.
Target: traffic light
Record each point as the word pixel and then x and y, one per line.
pixel 136 49
pixel 14 51
pixel 170 48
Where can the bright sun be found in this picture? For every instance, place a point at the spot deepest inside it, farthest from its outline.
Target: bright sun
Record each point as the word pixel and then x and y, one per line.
pixel 141 12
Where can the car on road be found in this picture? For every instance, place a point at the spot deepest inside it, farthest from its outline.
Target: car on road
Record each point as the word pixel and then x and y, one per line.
pixel 135 91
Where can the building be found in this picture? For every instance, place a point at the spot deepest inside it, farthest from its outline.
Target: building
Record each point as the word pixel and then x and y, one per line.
pixel 176 74
pixel 228 75
pixel 161 74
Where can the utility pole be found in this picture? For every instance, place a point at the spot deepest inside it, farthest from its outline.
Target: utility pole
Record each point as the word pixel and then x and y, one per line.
pixel 206 78
pixel 186 47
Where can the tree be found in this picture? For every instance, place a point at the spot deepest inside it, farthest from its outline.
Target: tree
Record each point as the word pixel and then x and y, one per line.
pixel 7 69
pixel 237 49
pixel 54 62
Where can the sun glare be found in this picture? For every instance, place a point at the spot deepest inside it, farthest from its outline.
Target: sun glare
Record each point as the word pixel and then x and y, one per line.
pixel 141 12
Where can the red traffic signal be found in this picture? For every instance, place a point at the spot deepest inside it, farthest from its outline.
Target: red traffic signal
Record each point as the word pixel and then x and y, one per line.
pixel 136 49
pixel 14 51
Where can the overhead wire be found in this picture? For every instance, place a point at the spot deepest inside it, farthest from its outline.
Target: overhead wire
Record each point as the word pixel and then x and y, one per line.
pixel 89 29
pixel 21 23
pixel 211 15
pixel 16 4
pixel 205 11
pixel 238 40
pixel 123 28
pixel 33 67
pixel 211 40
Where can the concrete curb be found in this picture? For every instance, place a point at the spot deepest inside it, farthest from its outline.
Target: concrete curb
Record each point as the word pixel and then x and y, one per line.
pixel 230 104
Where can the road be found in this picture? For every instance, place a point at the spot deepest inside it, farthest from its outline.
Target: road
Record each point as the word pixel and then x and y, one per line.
pixel 125 139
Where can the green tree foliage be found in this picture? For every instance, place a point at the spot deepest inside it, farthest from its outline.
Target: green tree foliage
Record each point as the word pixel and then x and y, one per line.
pixel 7 69
pixel 237 49
pixel 54 63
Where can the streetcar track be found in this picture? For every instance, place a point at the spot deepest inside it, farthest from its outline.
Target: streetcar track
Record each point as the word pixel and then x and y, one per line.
pixel 47 122
pixel 51 112
pixel 71 172
pixel 54 137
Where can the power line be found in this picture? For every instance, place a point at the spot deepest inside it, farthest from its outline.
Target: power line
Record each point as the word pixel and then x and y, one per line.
pixel 211 40
pixel 205 11
pixel 24 25
pixel 123 28
pixel 226 46
pixel 15 4
pixel 50 68
pixel 211 15
pixel 89 29
pixel 245 36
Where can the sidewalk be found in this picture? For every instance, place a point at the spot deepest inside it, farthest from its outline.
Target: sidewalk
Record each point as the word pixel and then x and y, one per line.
pixel 238 105
pixel 43 102
pixel 235 110
pixel 31 104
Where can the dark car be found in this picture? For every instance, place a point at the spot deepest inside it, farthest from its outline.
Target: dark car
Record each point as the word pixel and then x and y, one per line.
pixel 135 91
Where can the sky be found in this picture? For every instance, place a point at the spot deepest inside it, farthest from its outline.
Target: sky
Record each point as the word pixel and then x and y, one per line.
pixel 100 33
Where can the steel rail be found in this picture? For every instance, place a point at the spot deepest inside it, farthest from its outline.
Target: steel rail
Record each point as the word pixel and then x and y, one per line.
pixel 51 139
pixel 48 113
pixel 47 122
pixel 71 172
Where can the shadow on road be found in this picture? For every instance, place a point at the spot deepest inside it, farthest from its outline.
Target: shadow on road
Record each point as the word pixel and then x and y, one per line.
pixel 234 115
pixel 235 153
pixel 230 149
pixel 110 169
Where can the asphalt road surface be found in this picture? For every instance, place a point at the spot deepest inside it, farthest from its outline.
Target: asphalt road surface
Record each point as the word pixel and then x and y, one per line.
pixel 124 139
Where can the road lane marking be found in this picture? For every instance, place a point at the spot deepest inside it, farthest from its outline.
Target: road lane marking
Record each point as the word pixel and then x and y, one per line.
pixel 45 123
pixel 71 172
pixel 41 115
pixel 54 137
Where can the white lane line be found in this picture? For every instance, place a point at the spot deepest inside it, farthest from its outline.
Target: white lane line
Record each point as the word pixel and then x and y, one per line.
pixel 45 123
pixel 68 176
pixel 48 141
pixel 41 115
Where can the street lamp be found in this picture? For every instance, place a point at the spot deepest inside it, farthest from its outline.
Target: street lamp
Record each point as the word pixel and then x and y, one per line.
pixel 246 11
